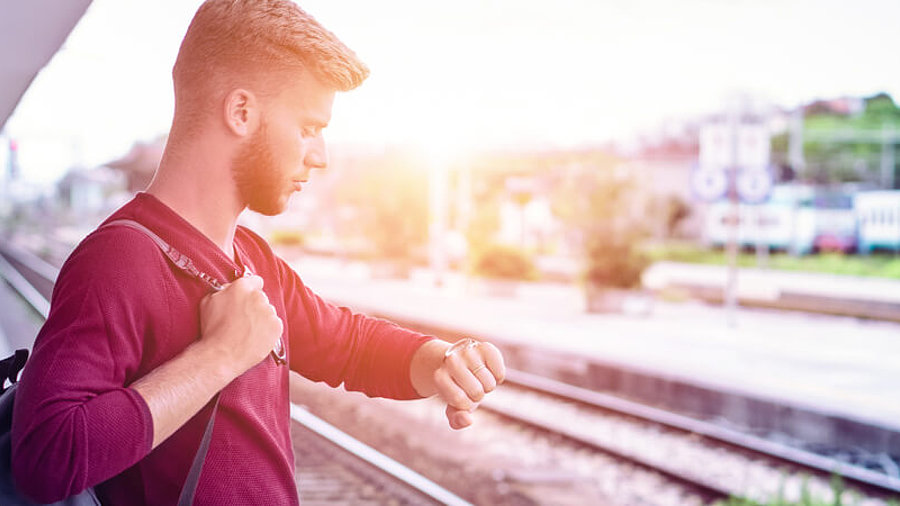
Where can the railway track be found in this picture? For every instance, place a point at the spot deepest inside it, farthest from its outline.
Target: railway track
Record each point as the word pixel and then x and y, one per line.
pixel 869 482
pixel 799 461
pixel 332 467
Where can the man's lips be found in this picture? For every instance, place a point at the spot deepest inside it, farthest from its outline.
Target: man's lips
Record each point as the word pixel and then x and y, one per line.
pixel 298 185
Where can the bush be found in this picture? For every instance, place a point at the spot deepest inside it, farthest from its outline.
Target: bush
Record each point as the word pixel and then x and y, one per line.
pixel 600 204
pixel 614 264
pixel 389 196
pixel 504 262
pixel 287 238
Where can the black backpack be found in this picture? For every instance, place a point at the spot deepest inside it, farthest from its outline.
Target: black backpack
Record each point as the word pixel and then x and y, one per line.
pixel 9 496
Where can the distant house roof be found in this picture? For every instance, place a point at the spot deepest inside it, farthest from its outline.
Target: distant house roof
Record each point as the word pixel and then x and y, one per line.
pixel 140 163
pixel 843 106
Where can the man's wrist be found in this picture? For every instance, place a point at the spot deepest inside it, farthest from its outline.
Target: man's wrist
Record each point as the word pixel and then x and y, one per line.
pixel 214 360
pixel 427 359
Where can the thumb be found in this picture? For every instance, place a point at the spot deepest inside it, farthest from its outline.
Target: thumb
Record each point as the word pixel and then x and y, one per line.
pixel 458 418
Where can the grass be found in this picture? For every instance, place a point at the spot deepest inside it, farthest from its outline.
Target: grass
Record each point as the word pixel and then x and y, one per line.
pixel 838 497
pixel 875 265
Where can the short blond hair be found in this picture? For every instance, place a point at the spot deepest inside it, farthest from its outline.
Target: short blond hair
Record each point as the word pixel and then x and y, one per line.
pixel 258 41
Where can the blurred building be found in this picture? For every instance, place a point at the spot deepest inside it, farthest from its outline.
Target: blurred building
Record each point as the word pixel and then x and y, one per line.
pixel 663 163
pixel 88 192
pixel 841 106
pixel 140 163
pixel 17 194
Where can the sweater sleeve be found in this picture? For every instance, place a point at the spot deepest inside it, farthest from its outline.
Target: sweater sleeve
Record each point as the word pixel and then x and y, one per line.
pixel 76 423
pixel 336 345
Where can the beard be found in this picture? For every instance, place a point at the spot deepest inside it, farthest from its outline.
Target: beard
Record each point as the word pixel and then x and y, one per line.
pixel 256 175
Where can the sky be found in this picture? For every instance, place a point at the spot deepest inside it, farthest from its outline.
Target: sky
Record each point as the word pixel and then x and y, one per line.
pixel 453 77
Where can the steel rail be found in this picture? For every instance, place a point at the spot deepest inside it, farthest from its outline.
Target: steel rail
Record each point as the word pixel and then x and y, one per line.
pixel 386 464
pixel 863 478
pixel 33 262
pixel 707 490
pixel 299 414
pixel 25 289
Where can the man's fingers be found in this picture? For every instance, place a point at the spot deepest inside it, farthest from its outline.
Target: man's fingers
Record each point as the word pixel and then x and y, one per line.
pixel 462 374
pixel 486 364
pixel 494 361
pixel 451 392
pixel 484 375
pixel 469 371
pixel 256 282
pixel 252 282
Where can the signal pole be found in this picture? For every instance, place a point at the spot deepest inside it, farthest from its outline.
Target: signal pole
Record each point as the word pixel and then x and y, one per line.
pixel 735 219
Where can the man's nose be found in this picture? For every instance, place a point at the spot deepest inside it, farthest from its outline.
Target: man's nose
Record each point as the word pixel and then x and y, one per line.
pixel 316 156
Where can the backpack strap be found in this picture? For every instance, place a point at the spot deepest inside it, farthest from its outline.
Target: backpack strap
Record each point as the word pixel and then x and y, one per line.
pixel 190 485
pixel 184 263
pixel 177 258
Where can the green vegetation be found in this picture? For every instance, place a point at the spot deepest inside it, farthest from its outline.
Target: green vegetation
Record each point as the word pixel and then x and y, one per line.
pixel 838 498
pixel 614 263
pixel 845 146
pixel 284 237
pixel 882 266
pixel 498 261
pixel 599 203
pixel 387 198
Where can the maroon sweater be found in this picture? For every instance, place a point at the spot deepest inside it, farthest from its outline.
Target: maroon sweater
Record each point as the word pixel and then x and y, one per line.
pixel 118 311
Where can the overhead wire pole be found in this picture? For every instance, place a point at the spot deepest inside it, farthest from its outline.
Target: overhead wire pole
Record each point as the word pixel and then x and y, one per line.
pixel 761 216
pixel 734 218
pixel 795 142
pixel 437 227
pixel 888 178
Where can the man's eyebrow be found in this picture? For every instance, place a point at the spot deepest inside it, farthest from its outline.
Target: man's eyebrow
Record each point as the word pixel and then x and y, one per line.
pixel 315 121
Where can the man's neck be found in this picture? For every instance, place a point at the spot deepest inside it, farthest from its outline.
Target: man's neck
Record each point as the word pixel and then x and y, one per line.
pixel 203 195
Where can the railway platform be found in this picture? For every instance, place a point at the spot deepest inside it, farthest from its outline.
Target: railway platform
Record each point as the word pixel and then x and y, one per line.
pixel 829 380
pixel 839 295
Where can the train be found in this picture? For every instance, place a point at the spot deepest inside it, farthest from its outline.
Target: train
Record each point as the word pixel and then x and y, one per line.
pixel 806 219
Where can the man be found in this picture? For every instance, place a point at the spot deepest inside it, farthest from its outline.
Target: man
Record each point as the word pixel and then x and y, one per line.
pixel 117 392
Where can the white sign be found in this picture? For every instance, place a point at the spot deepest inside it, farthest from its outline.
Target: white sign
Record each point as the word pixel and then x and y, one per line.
pixel 753 146
pixel 752 150
pixel 709 184
pixel 715 146
pixel 754 186
pixel 740 151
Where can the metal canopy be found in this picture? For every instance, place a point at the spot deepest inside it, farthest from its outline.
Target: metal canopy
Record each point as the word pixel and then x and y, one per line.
pixel 31 31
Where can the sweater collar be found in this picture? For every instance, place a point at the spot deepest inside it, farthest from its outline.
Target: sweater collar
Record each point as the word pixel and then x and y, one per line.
pixel 186 238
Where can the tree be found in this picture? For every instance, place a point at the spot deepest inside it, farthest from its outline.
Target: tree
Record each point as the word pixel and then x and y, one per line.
pixel 390 197
pixel 841 145
pixel 598 201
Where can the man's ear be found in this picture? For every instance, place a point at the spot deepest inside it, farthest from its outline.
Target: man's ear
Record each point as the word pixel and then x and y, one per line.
pixel 241 112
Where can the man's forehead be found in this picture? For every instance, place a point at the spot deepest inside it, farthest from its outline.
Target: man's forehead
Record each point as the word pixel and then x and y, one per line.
pixel 310 99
